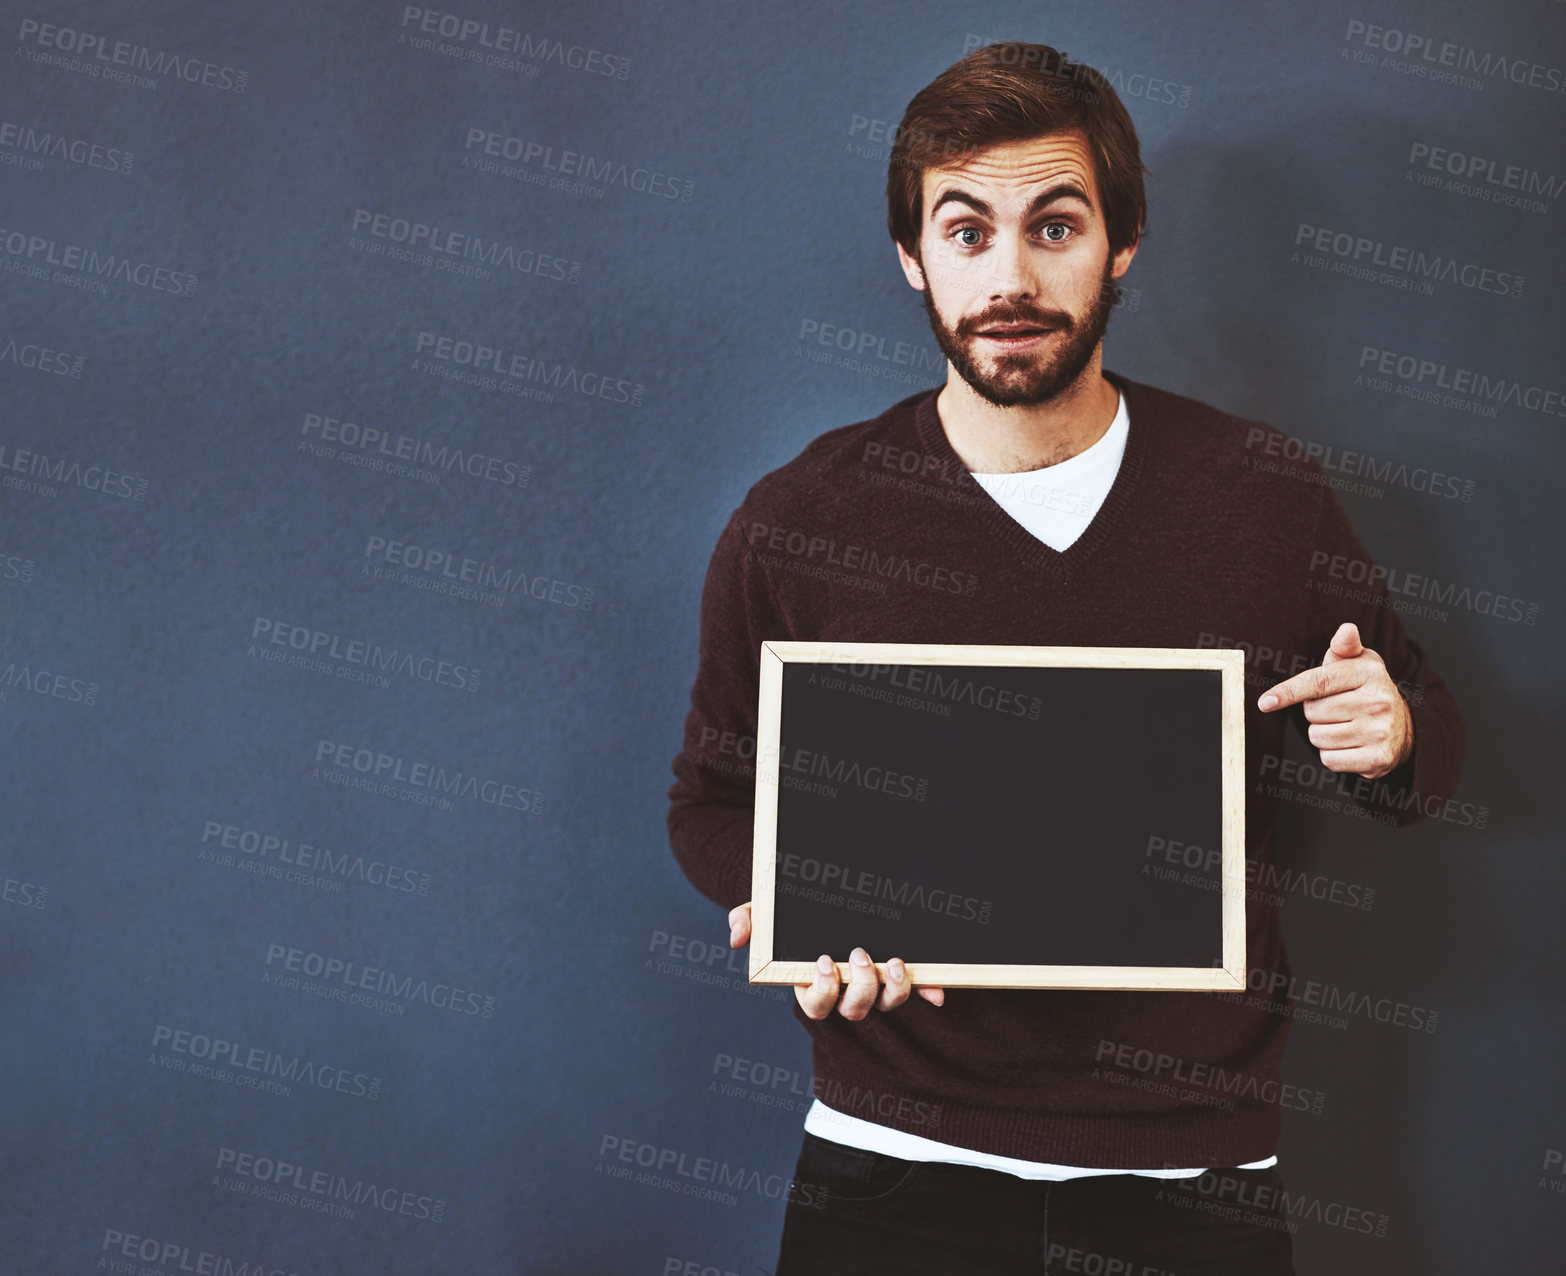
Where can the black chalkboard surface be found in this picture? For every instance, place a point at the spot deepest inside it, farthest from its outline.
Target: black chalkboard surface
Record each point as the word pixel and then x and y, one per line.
pixel 1001 816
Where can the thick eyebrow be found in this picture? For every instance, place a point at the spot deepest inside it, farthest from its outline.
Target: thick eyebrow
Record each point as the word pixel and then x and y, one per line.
pixel 1061 190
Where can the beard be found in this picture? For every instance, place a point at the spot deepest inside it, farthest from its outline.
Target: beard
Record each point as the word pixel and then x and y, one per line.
pixel 1026 377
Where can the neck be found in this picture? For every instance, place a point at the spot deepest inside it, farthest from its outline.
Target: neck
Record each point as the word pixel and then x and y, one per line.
pixel 992 440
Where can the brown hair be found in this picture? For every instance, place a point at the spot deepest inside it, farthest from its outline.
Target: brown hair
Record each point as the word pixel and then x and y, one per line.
pixel 1005 93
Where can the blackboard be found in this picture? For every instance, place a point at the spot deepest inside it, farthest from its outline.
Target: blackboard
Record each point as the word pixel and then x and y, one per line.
pixel 1001 816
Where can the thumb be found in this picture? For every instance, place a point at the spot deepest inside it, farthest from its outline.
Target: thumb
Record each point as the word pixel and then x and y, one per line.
pixel 739 926
pixel 1345 644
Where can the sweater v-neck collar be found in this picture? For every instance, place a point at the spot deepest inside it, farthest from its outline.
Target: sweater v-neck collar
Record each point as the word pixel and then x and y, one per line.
pixel 1057 567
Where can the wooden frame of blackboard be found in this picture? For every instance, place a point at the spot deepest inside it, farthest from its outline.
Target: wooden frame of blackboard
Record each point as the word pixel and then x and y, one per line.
pixel 1230 976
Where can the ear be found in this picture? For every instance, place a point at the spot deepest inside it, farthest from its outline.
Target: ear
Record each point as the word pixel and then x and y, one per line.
pixel 1124 256
pixel 912 270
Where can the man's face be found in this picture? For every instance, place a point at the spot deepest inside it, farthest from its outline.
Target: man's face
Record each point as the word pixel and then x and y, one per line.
pixel 1015 267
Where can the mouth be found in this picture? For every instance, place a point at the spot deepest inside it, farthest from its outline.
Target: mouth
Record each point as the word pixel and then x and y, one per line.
pixel 1009 336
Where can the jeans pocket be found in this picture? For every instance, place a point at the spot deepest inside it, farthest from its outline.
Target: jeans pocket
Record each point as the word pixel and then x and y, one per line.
pixel 838 1174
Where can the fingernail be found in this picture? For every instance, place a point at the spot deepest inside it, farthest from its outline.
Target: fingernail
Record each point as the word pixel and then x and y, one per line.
pixel 824 965
pixel 1267 701
pixel 859 957
pixel 894 969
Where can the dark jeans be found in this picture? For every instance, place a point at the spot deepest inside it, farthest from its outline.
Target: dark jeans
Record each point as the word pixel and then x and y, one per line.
pixel 857 1213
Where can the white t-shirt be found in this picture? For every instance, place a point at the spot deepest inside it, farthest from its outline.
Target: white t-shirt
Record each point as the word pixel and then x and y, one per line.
pixel 1055 503
pixel 856 1132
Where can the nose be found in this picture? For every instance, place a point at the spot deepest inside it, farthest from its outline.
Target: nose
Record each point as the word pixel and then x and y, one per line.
pixel 1011 270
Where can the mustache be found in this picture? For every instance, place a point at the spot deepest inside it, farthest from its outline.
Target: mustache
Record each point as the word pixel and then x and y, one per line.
pixel 1057 319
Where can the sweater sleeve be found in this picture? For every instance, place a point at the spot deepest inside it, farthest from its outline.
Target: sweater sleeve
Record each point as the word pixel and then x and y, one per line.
pixel 712 801
pixel 1429 776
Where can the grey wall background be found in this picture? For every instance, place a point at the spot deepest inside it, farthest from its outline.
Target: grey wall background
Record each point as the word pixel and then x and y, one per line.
pixel 172 499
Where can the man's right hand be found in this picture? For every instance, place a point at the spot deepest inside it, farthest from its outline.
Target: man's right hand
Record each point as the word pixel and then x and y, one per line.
pixel 818 998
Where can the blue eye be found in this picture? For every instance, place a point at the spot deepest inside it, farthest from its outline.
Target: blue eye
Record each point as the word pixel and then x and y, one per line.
pixel 1049 231
pixel 969 230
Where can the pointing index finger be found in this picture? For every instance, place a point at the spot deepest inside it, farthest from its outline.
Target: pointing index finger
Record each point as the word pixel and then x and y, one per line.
pixel 1312 684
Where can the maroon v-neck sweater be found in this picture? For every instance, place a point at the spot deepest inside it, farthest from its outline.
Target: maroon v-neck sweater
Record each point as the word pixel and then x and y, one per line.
pixel 876 532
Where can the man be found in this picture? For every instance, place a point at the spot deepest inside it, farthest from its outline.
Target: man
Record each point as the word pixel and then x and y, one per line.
pixel 979 1134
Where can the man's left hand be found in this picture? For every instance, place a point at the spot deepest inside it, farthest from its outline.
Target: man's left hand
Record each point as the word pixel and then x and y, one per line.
pixel 1358 718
